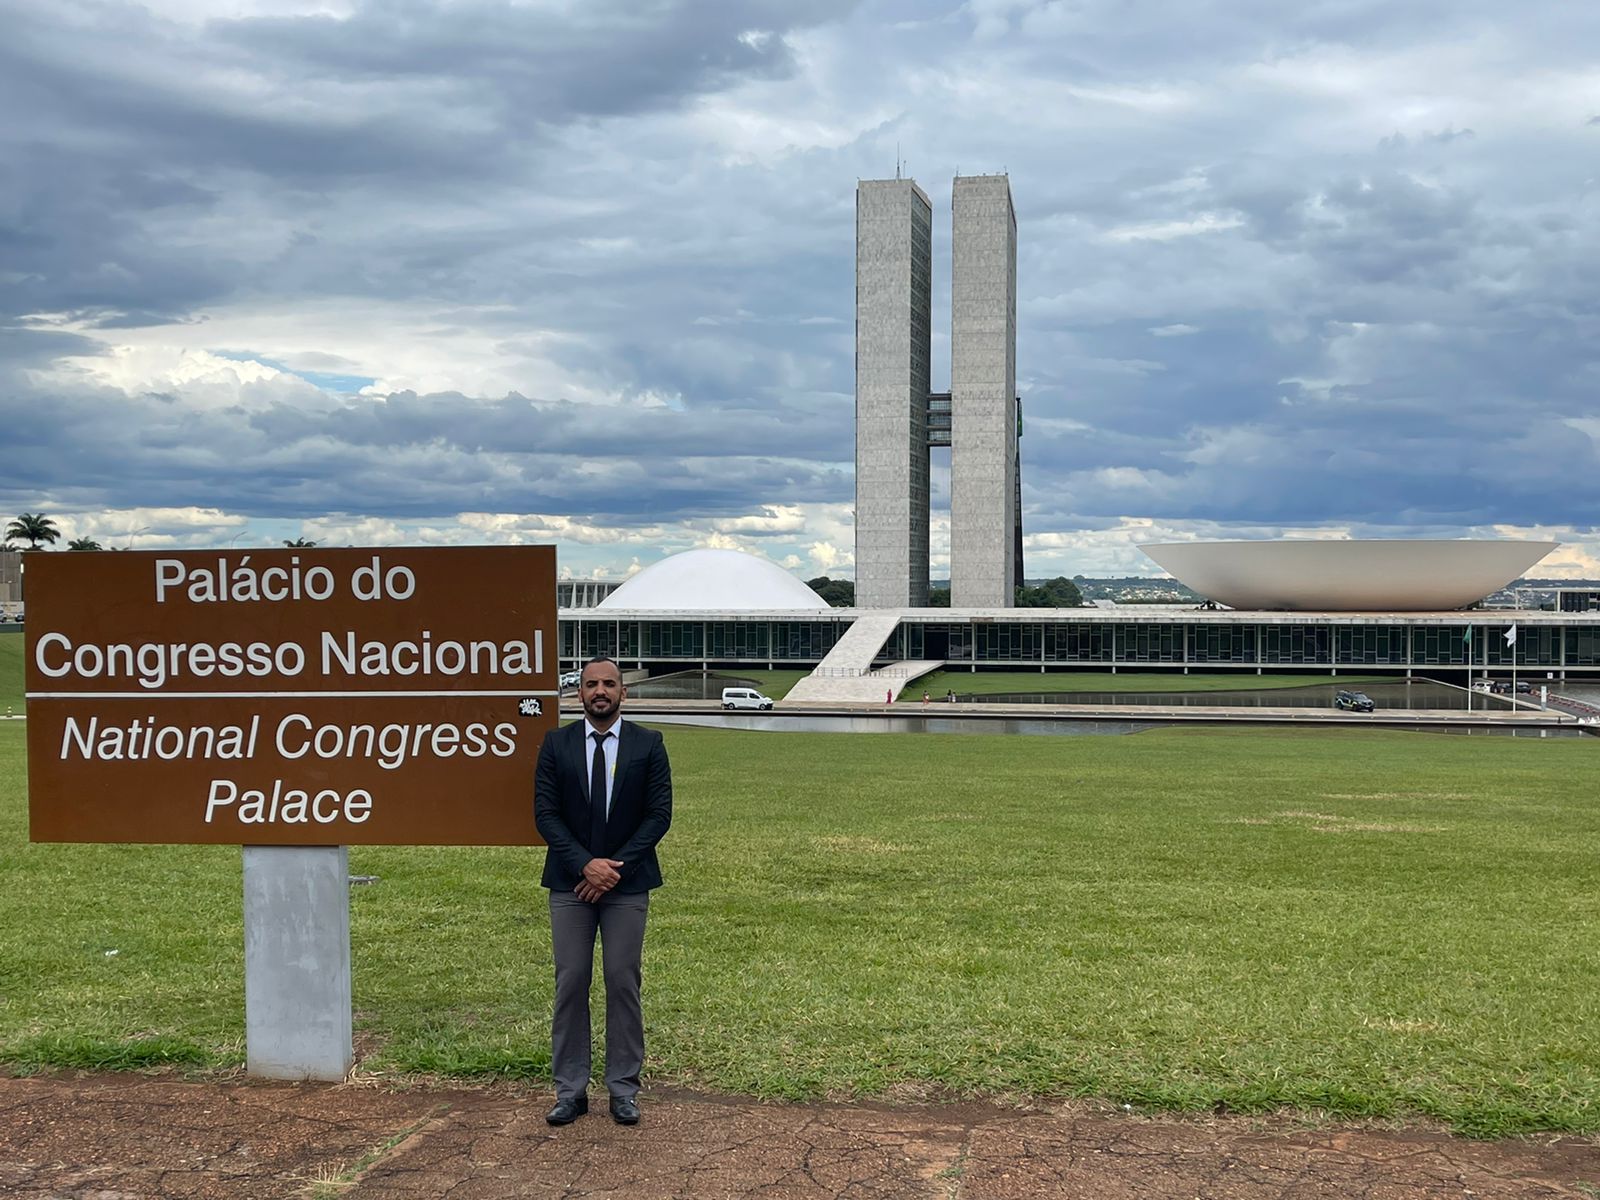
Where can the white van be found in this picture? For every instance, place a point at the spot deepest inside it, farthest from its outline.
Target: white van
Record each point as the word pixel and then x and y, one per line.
pixel 743 697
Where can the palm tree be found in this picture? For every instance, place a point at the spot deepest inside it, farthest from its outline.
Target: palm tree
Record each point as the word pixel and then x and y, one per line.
pixel 84 544
pixel 298 544
pixel 35 527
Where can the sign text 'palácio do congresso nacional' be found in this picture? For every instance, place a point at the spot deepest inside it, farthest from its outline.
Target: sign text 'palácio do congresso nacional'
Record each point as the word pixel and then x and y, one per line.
pixel 305 697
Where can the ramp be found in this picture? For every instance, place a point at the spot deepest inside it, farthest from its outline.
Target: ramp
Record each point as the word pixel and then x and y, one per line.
pixel 846 676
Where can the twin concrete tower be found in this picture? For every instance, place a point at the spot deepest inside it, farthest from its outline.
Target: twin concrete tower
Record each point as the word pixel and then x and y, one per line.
pixel 898 418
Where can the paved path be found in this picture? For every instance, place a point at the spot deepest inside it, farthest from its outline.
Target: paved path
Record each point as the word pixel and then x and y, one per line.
pixel 131 1137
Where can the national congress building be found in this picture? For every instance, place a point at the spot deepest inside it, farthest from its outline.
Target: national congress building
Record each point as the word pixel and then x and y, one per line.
pixel 899 419
pixel 1316 607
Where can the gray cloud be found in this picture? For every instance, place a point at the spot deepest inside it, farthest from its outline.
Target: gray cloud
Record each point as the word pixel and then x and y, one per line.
pixel 1371 223
pixel 595 60
pixel 416 456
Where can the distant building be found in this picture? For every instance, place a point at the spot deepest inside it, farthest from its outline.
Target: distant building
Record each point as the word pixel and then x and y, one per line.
pixel 985 564
pixel 730 579
pixel 898 419
pixel 719 609
pixel 1349 575
pixel 1577 599
pixel 894 310
pixel 584 593
pixel 10 576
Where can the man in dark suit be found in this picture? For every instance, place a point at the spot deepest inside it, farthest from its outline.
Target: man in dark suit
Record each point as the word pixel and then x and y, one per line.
pixel 602 799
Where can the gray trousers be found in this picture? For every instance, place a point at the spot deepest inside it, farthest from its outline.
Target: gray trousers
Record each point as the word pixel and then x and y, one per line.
pixel 619 919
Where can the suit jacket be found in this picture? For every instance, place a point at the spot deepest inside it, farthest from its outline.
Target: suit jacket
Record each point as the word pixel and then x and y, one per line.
pixel 641 807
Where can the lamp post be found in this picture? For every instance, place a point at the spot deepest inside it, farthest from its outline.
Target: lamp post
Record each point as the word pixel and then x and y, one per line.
pixel 128 545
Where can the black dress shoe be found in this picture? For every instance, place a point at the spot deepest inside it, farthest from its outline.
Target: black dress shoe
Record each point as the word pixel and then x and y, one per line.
pixel 567 1111
pixel 624 1110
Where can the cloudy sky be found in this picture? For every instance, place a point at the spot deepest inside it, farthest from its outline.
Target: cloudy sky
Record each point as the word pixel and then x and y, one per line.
pixel 436 272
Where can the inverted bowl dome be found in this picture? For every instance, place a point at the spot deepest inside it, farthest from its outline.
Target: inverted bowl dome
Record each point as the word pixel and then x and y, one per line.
pixel 1373 575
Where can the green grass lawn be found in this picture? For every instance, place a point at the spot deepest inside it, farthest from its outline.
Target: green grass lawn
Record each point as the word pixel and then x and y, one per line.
pixel 1350 921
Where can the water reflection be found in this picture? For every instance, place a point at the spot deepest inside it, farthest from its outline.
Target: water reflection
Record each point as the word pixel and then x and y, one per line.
pixel 1395 695
pixel 1589 693
pixel 687 685
pixel 768 722
pixel 1062 727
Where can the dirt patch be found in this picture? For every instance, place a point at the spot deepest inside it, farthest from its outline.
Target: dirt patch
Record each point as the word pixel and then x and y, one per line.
pixel 121 1137
pixel 1329 823
pixel 841 844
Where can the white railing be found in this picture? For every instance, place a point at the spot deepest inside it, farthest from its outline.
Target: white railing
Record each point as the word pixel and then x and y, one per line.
pixel 860 673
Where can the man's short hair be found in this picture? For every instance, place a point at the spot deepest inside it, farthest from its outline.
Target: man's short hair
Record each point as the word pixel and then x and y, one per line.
pixel 604 658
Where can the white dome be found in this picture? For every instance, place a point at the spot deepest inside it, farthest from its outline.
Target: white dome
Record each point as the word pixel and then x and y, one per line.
pixel 1359 575
pixel 713 580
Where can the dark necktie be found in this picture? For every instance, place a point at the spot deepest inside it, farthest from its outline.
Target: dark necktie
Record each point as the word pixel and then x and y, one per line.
pixel 597 797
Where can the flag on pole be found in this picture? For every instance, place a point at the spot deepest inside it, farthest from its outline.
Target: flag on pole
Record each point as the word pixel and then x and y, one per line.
pixel 1466 637
pixel 1511 636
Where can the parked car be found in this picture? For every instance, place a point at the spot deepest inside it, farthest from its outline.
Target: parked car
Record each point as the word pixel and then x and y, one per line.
pixel 1354 702
pixel 743 697
pixel 571 679
pixel 1504 686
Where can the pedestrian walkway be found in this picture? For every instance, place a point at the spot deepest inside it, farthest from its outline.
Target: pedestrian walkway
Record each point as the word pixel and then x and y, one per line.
pixel 846 675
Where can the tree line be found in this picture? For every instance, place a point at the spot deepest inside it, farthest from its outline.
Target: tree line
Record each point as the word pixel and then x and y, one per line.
pixel 34 528
pixel 1059 592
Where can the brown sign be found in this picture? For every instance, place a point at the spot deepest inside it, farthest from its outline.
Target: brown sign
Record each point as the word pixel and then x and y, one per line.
pixel 289 697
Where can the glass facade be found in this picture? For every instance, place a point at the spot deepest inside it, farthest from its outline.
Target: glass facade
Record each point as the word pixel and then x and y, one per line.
pixel 804 641
pixel 738 639
pixel 724 639
pixel 599 637
pixel 1090 642
pixel 1297 644
pixel 674 639
pixel 1372 645
pixel 939 419
pixel 1440 645
pixel 1097 642
pixel 1583 646
pixel 1223 644
pixel 1537 645
pixel 1006 642
pixel 1151 643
